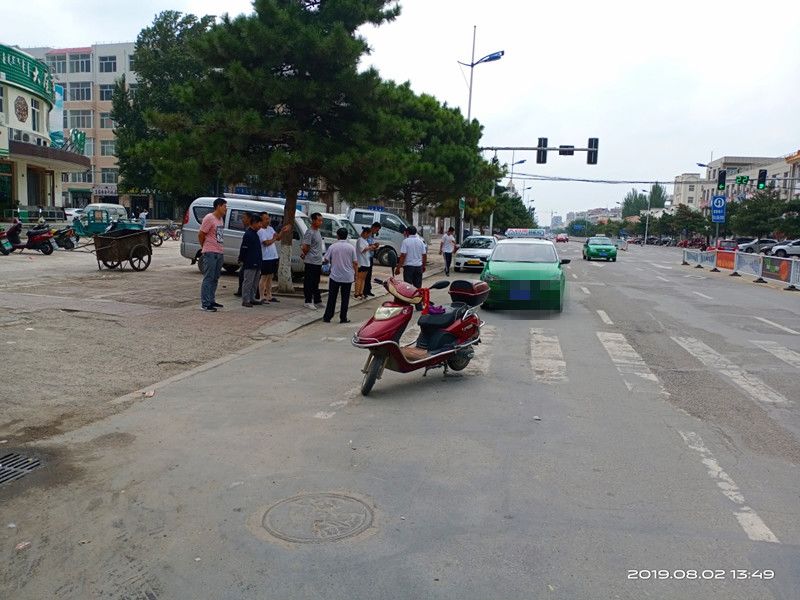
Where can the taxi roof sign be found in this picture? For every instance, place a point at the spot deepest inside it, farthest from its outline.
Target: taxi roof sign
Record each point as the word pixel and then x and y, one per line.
pixel 525 233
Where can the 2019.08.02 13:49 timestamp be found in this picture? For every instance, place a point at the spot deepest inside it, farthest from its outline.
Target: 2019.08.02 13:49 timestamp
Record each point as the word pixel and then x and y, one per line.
pixel 700 574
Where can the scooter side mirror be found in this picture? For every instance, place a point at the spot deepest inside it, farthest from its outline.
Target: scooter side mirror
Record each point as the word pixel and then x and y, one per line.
pixel 440 285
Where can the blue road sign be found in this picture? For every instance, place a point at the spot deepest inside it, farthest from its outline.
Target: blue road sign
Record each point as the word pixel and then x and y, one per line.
pixel 577 227
pixel 718 206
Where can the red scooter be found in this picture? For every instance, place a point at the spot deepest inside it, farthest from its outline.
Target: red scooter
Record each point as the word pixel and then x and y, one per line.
pixel 447 333
pixel 40 239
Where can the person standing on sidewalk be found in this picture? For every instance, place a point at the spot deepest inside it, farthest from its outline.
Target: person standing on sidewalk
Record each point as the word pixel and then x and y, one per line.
pixel 269 256
pixel 143 218
pixel 344 264
pixel 413 259
pixel 246 222
pixel 374 245
pixel 448 247
pixel 250 257
pixel 363 249
pixel 210 237
pixel 311 255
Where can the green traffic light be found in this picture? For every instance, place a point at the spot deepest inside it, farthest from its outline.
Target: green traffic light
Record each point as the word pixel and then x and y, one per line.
pixel 761 186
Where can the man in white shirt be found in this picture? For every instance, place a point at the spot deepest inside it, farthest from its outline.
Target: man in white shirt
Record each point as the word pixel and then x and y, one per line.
pixel 364 254
pixel 413 259
pixel 269 256
pixel 344 264
pixel 448 247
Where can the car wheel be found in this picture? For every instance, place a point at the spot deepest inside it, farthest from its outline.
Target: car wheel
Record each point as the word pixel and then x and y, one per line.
pixel 383 256
pixel 781 253
pixel 749 250
pixel 457 269
pixel 614 259
pixel 230 269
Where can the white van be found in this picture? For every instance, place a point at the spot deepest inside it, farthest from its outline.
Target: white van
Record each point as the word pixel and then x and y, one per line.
pixel 234 229
pixel 331 223
pixel 391 235
pixel 115 211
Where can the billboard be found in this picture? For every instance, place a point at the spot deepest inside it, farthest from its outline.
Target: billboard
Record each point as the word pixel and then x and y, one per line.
pixel 56 125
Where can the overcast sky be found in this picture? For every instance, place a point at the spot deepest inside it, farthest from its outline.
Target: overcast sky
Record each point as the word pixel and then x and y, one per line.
pixel 663 85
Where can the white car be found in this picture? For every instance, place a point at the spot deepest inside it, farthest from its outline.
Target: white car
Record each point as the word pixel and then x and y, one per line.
pixel 474 252
pixel 785 249
pixel 71 213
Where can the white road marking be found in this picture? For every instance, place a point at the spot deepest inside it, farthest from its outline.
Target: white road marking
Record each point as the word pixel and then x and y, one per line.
pixel 604 317
pixel 586 291
pixel 662 278
pixel 631 366
pixel 574 276
pixel 547 361
pixel 482 361
pixel 658 266
pixel 324 415
pixel 639 269
pixel 339 404
pixel 596 264
pixel 778 326
pixel 695 277
pixel 703 296
pixel 790 357
pixel 748 519
pixel 750 384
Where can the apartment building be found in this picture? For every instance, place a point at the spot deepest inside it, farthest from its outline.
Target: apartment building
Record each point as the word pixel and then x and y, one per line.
pixel 777 168
pixel 88 75
pixel 689 190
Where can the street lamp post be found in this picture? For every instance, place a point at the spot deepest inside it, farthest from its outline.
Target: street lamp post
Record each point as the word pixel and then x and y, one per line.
pixel 472 64
pixel 647 220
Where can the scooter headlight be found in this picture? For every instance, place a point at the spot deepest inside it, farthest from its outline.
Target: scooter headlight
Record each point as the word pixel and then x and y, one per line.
pixel 385 313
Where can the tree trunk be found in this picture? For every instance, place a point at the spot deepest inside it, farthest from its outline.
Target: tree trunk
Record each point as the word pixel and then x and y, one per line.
pixel 285 284
pixel 408 201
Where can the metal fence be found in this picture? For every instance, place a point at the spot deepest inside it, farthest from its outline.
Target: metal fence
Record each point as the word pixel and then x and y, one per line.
pixel 691 256
pixel 762 267
pixel 708 259
pixel 794 278
pixel 749 264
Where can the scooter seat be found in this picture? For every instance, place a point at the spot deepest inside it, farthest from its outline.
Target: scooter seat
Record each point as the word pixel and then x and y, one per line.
pixel 443 320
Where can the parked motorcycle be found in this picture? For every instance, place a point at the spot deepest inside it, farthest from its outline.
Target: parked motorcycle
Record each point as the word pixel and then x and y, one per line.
pixel 65 237
pixel 447 333
pixel 5 245
pixel 38 238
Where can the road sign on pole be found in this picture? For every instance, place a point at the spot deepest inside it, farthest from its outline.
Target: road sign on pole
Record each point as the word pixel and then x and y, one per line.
pixel 718 206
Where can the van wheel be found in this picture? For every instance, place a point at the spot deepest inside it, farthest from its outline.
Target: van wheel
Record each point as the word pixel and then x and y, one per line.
pixel 384 256
pixel 230 269
pixel 200 264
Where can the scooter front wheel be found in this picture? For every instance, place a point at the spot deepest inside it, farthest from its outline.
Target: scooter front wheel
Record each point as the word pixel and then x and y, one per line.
pixel 371 375
pixel 459 361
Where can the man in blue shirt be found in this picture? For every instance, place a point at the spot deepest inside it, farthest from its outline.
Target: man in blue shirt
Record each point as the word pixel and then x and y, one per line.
pixel 374 244
pixel 250 257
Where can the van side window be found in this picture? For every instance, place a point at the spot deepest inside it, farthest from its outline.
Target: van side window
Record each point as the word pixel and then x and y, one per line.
pixel 392 222
pixel 327 228
pixel 235 221
pixel 363 218
pixel 201 211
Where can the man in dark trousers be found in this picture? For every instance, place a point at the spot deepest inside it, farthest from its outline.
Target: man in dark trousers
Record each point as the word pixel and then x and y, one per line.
pixel 413 259
pixel 250 257
pixel 344 264
pixel 246 222
pixel 374 244
pixel 311 252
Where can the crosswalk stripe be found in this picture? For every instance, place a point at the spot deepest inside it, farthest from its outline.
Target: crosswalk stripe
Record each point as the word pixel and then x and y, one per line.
pixel 596 264
pixel 778 326
pixel 790 357
pixel 750 384
pixel 482 361
pixel 547 360
pixel 631 366
pixel 604 317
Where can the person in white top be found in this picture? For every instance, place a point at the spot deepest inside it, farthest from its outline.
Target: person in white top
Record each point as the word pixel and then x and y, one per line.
pixel 363 254
pixel 269 257
pixel 413 259
pixel 342 257
pixel 448 247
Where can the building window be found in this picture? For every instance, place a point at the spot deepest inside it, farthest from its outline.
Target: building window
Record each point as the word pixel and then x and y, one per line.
pixel 36 114
pixel 691 200
pixel 81 90
pixel 108 64
pixel 132 62
pixel 132 87
pixel 64 177
pixel 106 91
pixel 108 175
pixel 105 121
pixel 66 119
pixel 691 188
pixel 80 63
pixel 2 99
pixel 85 177
pixel 57 63
pixel 88 148
pixel 108 147
pixel 80 119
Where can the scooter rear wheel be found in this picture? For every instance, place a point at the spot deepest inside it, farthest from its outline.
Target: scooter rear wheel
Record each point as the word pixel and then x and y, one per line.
pixel 47 249
pixel 459 362
pixel 371 376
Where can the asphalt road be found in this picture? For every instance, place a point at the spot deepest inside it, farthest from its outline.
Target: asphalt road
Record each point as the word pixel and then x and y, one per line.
pixel 644 443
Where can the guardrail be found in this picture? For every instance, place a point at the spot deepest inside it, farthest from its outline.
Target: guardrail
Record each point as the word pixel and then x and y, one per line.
pixel 763 268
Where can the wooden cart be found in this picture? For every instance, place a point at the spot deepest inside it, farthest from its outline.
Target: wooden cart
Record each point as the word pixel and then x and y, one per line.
pixel 115 247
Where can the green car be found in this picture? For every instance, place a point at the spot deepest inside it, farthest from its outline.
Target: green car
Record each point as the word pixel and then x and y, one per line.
pixel 599 247
pixel 525 274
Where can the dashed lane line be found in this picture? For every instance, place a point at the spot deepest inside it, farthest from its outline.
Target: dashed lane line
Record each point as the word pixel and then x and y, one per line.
pixel 703 295
pixel 778 326
pixel 748 519
pixel 586 291
pixel 634 371
pixel 604 317
pixel 547 360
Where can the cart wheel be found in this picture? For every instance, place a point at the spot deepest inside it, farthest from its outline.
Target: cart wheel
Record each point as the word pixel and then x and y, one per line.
pixel 156 240
pixel 111 264
pixel 139 258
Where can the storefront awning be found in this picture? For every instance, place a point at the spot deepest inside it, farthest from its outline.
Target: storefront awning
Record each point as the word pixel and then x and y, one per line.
pixel 61 160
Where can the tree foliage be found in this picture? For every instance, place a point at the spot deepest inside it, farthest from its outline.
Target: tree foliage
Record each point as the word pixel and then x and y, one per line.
pixel 510 210
pixel 633 204
pixel 581 228
pixel 759 215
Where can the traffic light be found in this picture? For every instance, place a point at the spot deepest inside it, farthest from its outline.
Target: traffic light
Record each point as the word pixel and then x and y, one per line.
pixel 762 179
pixel 541 152
pixel 723 174
pixel 591 156
pixel 566 150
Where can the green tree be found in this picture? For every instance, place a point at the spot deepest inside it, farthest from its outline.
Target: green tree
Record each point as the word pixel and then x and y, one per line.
pixel 510 211
pixel 581 228
pixel 759 215
pixel 633 204
pixel 789 224
pixel 164 61
pixel 688 222
pixel 657 196
pixel 281 102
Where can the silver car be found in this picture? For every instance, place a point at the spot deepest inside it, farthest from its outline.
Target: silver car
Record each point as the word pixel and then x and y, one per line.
pixel 758 245
pixel 785 249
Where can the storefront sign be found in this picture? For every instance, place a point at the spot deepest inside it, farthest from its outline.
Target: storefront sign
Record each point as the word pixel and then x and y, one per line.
pixel 27 73
pixel 108 189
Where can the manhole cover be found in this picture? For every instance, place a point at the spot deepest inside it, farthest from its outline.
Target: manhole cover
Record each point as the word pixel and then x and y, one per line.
pixel 313 518
pixel 15 466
